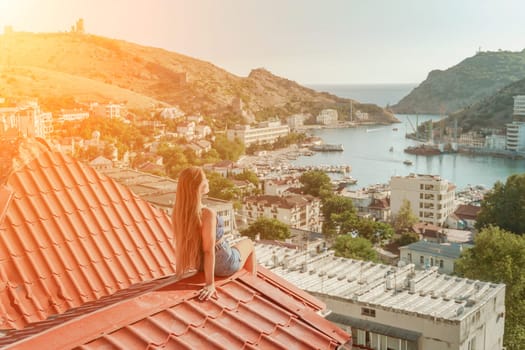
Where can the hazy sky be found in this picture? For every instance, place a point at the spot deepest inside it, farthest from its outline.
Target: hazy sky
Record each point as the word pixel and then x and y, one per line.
pixel 328 41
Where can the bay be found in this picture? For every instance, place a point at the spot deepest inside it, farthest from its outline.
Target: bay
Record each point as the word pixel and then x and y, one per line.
pixel 367 151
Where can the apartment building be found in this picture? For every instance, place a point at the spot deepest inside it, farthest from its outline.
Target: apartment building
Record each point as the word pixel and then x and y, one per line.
pixel 296 211
pixel 431 198
pixel 516 136
pixel 395 308
pixel 26 120
pixel 267 132
pixel 327 117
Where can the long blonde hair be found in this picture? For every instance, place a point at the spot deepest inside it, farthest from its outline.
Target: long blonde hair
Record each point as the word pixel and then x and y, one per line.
pixel 187 220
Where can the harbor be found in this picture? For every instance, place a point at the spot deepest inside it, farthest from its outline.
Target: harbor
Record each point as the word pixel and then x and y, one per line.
pixel 376 156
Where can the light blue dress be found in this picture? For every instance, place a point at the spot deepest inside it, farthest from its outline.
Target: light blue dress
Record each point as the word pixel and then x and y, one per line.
pixel 227 258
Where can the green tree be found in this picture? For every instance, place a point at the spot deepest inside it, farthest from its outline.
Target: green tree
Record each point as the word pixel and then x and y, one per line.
pixel 221 187
pixel 504 206
pixel 355 248
pixel 407 238
pixel 174 159
pixel 228 150
pixel 339 215
pixel 404 219
pixel 316 183
pixel 267 228
pixel 499 256
pixel 248 175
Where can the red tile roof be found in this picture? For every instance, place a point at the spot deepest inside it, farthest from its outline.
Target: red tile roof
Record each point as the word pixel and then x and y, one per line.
pixel 69 235
pixel 467 211
pixel 249 313
pixel 85 263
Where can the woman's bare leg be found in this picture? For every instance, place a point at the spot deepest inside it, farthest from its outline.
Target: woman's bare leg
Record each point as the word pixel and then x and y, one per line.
pixel 247 250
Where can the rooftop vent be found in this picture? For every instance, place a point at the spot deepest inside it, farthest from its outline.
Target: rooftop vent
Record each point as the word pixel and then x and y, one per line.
pixel 460 310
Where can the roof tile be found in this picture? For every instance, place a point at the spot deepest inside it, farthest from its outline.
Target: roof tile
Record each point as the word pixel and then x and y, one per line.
pixel 166 313
pixel 83 264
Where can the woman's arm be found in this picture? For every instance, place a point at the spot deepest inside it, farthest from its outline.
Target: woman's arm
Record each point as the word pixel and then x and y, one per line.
pixel 208 248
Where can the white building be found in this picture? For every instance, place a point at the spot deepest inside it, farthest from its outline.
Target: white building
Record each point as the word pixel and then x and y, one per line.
pixel 431 197
pixel 170 112
pixel 361 115
pixel 71 115
pixel 296 211
pixel 279 186
pixel 267 132
pixel 516 136
pixel 424 254
pixel 295 121
pixel 496 142
pixel 396 308
pixel 26 120
pixel 519 105
pixel 327 117
pixel 109 110
pixel 186 130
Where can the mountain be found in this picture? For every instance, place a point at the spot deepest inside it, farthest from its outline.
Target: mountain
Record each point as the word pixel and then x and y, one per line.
pixel 491 112
pixel 54 66
pixel 463 85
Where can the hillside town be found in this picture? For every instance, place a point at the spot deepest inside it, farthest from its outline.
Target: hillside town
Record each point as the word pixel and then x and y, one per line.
pixel 407 296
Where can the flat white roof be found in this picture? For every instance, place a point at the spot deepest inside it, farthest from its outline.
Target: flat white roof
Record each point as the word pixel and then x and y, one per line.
pixel 403 289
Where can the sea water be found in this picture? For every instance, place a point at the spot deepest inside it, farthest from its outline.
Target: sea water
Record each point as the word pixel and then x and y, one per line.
pixel 376 153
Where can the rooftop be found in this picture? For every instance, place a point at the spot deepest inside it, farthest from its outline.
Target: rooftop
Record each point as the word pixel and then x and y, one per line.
pixel 425 293
pixel 86 263
pixel 446 250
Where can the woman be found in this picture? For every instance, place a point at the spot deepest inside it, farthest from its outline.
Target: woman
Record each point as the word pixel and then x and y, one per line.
pixel 199 235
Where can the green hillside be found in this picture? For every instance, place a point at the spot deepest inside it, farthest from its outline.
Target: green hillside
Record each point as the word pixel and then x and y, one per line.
pixel 465 84
pixel 86 67
pixel 493 111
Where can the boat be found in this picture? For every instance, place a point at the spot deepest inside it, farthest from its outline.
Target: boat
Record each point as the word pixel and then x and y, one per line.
pixel 408 162
pixel 345 181
pixel 328 148
pixel 424 150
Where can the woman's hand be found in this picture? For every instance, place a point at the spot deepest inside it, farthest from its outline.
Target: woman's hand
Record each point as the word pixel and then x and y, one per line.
pixel 207 292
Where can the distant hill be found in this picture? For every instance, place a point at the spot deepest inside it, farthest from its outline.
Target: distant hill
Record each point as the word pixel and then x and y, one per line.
pixel 491 112
pixel 87 67
pixel 465 84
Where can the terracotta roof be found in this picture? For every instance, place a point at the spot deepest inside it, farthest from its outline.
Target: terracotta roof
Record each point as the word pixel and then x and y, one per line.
pixel 250 312
pixel 85 263
pixel 383 203
pixel 427 229
pixel 69 235
pixel 467 212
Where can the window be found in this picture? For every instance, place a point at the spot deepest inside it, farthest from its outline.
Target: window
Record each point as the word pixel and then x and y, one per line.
pixel 409 256
pixel 431 261
pixel 368 312
pixel 441 265
pixel 421 259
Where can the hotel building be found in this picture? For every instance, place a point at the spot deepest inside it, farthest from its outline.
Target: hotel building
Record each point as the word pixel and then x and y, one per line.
pixel 267 132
